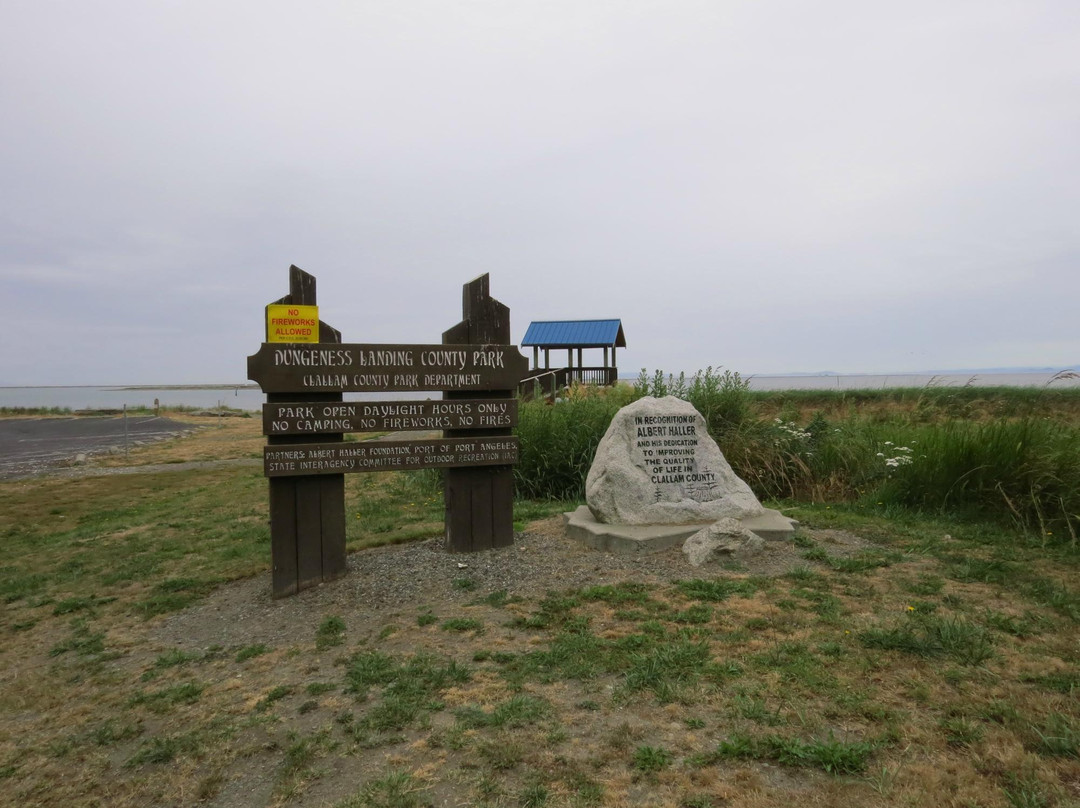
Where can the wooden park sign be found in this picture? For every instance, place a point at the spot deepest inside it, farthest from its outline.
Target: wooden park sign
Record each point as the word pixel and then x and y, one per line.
pixel 387 416
pixel 305 419
pixel 342 458
pixel 384 368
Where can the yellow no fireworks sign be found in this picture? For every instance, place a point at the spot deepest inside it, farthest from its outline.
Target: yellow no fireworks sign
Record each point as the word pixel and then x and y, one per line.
pixel 292 323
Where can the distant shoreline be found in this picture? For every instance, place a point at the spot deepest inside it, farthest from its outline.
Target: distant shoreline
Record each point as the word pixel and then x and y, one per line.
pixel 1067 377
pixel 244 386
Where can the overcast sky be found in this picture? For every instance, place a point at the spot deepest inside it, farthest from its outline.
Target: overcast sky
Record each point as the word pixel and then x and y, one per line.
pixel 768 186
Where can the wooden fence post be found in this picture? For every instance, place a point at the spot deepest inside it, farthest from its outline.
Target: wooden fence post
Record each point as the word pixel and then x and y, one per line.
pixel 307 514
pixel 479 500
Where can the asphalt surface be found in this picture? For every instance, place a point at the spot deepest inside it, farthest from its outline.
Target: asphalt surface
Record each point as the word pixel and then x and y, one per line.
pixel 30 446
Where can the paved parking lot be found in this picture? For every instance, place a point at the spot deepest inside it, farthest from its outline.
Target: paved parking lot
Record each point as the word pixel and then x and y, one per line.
pixel 31 446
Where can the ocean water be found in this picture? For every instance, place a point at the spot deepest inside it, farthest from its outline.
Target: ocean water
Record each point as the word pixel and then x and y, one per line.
pixel 244 398
pixel 114 398
pixel 100 398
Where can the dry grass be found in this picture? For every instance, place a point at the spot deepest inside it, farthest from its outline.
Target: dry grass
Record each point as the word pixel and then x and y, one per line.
pixel 593 697
pixel 220 439
pixel 926 405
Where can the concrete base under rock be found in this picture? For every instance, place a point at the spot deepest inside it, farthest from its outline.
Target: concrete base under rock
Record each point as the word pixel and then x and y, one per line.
pixel 631 539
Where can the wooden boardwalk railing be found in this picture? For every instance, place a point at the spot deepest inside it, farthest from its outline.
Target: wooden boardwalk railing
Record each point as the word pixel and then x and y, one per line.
pixel 547 383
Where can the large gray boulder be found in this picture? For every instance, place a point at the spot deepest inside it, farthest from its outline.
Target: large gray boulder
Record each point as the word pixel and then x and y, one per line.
pixel 657 465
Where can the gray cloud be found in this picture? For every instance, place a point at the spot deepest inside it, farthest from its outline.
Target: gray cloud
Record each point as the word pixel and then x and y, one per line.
pixel 774 186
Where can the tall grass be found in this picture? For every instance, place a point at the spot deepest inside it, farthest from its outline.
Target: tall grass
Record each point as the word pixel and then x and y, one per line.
pixel 1027 470
pixel 816 463
pixel 926 404
pixel 990 453
pixel 723 399
pixel 558 442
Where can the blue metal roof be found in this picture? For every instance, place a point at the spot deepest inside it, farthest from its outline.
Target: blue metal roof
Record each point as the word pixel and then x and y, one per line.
pixel 575 334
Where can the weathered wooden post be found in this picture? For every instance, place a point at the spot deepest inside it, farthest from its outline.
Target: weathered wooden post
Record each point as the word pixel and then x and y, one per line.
pixel 307 514
pixel 305 420
pixel 480 499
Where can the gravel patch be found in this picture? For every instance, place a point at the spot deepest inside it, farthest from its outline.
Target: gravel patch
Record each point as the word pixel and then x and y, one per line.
pixel 385 582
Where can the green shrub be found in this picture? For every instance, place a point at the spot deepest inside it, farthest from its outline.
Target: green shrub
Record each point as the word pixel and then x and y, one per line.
pixel 558 442
pixel 723 399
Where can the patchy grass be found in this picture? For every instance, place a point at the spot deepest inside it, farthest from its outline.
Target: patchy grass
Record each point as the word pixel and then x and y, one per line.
pixel 251 651
pixel 517 711
pixel 955 637
pixel 398 789
pixel 461 624
pixel 331 632
pixel 938 666
pixel 829 754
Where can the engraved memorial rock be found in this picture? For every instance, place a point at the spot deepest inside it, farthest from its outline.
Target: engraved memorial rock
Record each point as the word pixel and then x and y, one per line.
pixel 658 465
pixel 658 478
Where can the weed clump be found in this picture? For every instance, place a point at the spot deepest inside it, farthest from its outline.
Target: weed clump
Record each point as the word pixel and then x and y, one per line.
pixel 408 687
pixel 929 636
pixel 830 755
pixel 331 632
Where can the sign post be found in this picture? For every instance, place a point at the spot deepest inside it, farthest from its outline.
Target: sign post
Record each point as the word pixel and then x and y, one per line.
pixel 480 501
pixel 305 418
pixel 307 514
